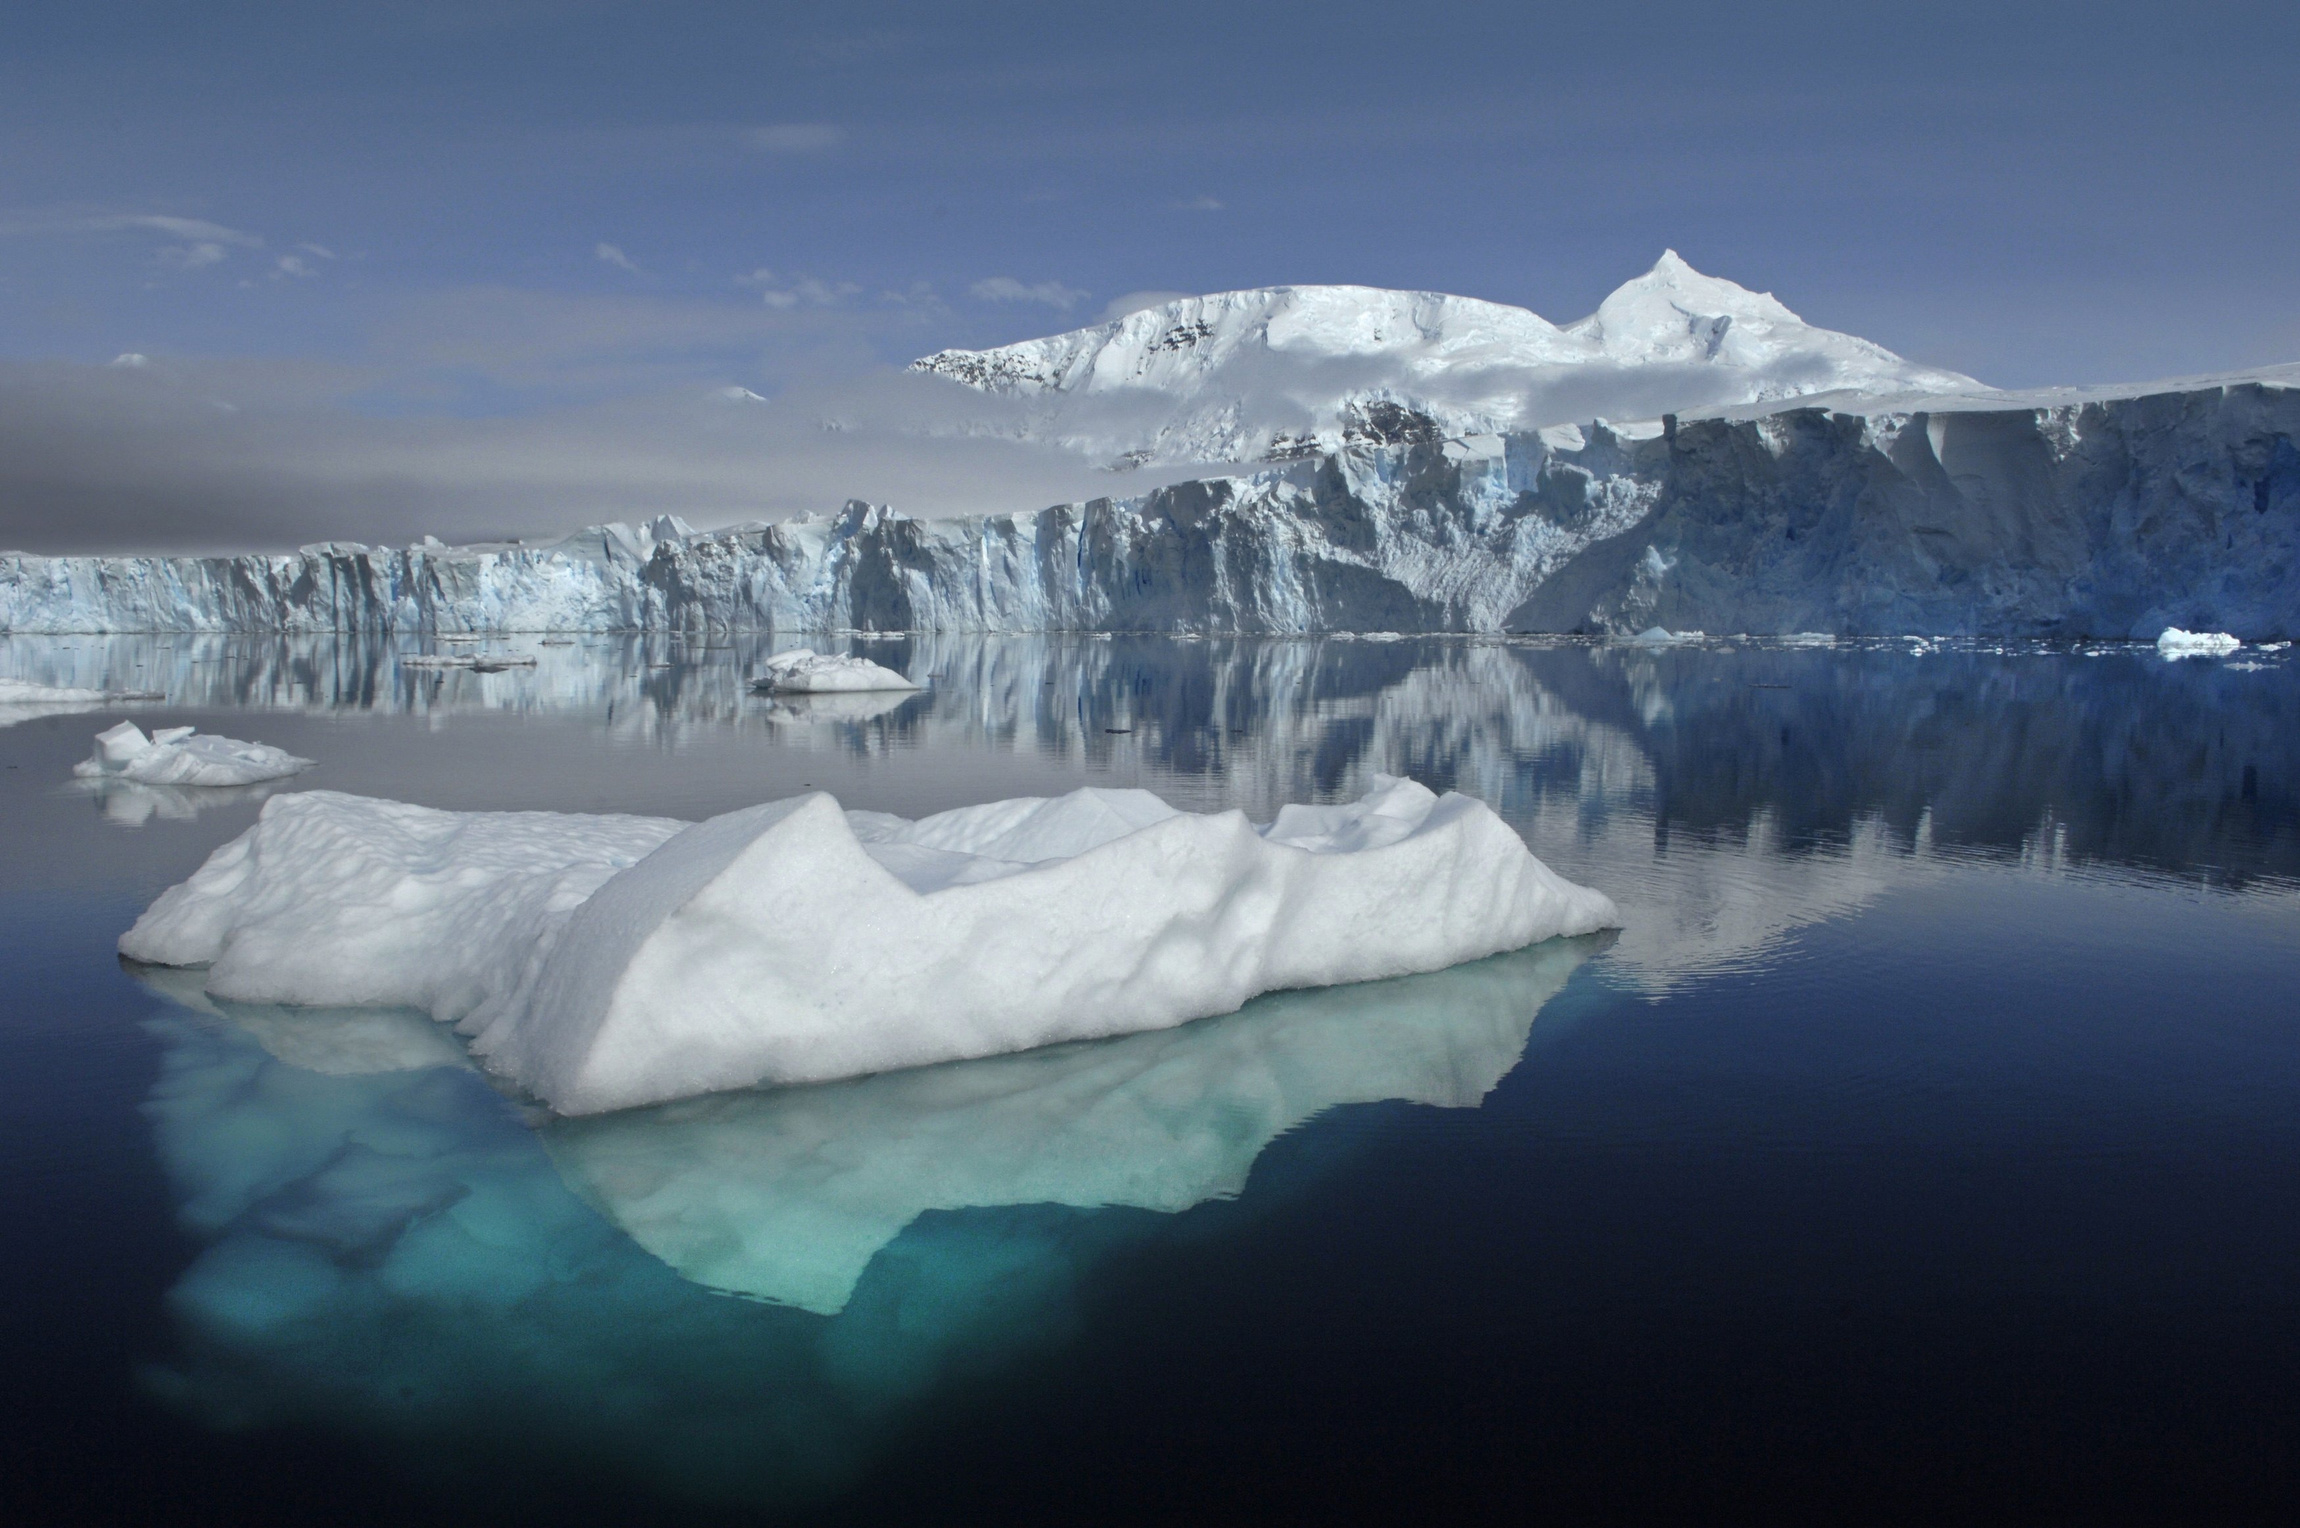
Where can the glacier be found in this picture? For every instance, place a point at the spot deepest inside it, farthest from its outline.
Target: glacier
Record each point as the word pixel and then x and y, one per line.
pixel 2100 513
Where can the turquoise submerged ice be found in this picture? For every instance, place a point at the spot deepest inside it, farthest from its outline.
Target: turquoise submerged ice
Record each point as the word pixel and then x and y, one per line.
pixel 386 1246
pixel 607 962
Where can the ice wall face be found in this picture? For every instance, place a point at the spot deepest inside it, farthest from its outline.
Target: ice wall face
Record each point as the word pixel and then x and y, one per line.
pixel 2110 516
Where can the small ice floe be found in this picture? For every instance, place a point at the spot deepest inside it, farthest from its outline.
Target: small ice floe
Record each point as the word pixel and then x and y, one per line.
pixel 557 642
pixel 181 756
pixel 1662 636
pixel 803 671
pixel 1809 639
pixel 436 660
pixel 606 962
pixel 496 663
pixel 2274 647
pixel 22 701
pixel 2176 643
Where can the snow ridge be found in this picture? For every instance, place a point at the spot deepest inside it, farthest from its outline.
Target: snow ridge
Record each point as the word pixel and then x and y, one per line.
pixel 1277 372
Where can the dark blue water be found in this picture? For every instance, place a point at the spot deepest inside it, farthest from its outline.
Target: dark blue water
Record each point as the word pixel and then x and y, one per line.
pixel 1926 1148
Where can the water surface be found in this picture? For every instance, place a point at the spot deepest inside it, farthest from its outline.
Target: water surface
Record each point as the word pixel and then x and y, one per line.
pixel 1924 1144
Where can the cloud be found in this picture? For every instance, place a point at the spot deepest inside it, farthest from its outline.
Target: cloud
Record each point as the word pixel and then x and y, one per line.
pixel 796 137
pixel 97 459
pixel 191 257
pixel 1135 302
pixel 1006 289
pixel 129 360
pixel 798 291
pixel 610 254
pixel 201 243
pixel 1199 204
pixel 293 265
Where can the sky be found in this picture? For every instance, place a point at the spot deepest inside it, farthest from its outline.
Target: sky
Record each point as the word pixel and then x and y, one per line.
pixel 479 267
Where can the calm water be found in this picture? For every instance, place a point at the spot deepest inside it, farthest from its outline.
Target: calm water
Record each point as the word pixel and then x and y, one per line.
pixel 1927 1147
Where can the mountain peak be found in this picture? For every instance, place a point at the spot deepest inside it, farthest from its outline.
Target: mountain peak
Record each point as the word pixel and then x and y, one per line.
pixel 1277 370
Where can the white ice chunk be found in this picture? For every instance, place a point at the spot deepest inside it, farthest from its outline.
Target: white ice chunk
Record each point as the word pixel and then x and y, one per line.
pixel 180 756
pixel 2175 643
pixel 795 942
pixel 345 901
pixel 802 670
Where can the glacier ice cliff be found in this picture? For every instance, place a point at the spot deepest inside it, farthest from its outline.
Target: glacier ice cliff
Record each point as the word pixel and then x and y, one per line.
pixel 2112 513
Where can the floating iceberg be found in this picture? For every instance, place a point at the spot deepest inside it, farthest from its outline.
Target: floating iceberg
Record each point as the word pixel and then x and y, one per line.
pixel 602 963
pixel 2176 643
pixel 180 756
pixel 804 671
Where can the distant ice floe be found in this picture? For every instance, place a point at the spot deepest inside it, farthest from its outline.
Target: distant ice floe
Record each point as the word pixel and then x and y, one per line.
pixel 484 663
pixel 803 671
pixel 179 756
pixel 21 700
pixel 2176 643
pixel 607 962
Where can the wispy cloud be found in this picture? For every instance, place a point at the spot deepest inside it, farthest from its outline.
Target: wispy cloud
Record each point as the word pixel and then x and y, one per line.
pixel 1199 204
pixel 796 137
pixel 199 242
pixel 797 291
pixel 297 262
pixel 1006 289
pixel 612 254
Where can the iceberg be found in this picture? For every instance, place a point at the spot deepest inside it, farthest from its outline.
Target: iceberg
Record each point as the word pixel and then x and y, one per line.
pixel 803 671
pixel 604 963
pixel 2175 643
pixel 181 756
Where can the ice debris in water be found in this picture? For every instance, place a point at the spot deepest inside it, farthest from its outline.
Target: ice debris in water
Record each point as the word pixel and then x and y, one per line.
pixel 22 692
pixel 604 962
pixel 2176 643
pixel 804 671
pixel 181 756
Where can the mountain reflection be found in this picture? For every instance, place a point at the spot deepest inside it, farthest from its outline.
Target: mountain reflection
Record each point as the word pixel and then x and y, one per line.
pixel 2113 755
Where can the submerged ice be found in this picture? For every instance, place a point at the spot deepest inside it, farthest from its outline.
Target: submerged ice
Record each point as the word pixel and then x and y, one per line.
pixel 604 962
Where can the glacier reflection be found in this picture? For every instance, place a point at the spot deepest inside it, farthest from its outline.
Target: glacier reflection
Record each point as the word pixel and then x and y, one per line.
pixel 391 1247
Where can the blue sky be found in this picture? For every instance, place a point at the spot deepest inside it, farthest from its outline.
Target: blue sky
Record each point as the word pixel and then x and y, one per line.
pixel 432 215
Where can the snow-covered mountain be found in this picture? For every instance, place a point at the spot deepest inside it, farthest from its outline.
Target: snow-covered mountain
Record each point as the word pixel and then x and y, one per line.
pixel 1281 372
